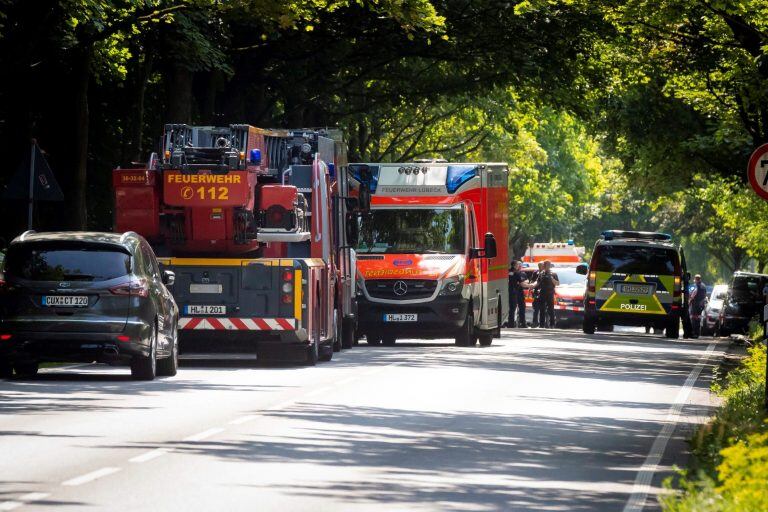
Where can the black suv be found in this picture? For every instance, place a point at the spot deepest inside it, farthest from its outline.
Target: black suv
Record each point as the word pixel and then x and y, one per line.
pixel 743 302
pixel 80 296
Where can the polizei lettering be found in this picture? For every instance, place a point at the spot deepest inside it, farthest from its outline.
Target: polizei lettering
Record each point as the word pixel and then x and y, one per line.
pixel 204 179
pixel 635 307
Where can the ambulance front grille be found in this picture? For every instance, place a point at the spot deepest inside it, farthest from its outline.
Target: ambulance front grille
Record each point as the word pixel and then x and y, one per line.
pixel 390 289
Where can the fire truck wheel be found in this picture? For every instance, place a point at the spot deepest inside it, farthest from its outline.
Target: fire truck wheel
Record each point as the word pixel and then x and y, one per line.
pixel 313 354
pixel 326 352
pixel 348 339
pixel 372 339
pixel 465 337
pixel 388 340
pixel 337 335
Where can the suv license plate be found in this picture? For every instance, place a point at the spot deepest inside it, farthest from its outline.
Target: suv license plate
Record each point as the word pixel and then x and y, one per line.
pixel 401 317
pixel 635 289
pixel 205 310
pixel 68 301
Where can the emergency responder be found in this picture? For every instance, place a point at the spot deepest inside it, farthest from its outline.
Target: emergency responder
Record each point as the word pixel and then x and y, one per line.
pixel 546 284
pixel 535 303
pixel 517 285
pixel 698 302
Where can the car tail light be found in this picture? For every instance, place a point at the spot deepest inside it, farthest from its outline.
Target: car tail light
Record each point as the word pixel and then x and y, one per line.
pixel 5 337
pixel 123 338
pixel 139 288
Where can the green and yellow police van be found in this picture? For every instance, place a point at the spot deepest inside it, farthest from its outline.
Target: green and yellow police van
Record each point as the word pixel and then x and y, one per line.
pixel 635 278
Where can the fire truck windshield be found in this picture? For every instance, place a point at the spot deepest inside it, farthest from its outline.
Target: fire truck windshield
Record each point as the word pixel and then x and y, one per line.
pixel 412 231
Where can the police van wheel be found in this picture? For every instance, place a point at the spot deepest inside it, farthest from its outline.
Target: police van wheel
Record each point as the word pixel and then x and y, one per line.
pixel 588 326
pixel 673 329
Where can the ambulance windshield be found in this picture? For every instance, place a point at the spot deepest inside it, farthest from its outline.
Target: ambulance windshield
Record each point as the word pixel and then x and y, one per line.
pixel 412 231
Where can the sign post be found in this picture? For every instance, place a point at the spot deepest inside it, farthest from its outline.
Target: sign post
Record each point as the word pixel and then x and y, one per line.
pixel 757 171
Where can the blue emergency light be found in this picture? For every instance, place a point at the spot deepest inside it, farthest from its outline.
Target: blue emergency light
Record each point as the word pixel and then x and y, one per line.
pixel 458 175
pixel 255 157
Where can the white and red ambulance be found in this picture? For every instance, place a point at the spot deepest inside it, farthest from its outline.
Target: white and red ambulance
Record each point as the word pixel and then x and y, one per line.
pixel 432 253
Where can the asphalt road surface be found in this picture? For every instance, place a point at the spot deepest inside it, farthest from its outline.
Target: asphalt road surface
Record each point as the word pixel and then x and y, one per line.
pixel 541 420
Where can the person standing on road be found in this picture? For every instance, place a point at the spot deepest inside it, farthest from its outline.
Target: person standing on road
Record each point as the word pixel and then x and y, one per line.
pixel 698 302
pixel 517 284
pixel 546 283
pixel 536 304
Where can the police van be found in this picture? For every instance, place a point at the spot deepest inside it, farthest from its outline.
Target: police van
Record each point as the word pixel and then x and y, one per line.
pixel 635 278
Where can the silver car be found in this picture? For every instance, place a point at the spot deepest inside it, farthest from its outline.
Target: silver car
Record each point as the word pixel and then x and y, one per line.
pixel 711 316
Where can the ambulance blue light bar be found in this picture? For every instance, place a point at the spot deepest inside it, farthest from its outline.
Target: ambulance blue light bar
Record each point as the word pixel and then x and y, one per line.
pixel 637 235
pixel 458 175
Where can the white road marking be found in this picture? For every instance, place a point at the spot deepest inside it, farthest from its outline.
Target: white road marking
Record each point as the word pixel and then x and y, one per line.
pixel 204 434
pixel 642 485
pixel 10 505
pixel 242 419
pixel 150 455
pixel 34 496
pixel 90 477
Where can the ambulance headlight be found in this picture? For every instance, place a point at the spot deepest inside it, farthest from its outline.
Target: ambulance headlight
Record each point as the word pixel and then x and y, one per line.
pixel 453 285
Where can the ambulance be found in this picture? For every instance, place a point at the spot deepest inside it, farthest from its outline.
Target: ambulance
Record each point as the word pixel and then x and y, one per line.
pixel 432 253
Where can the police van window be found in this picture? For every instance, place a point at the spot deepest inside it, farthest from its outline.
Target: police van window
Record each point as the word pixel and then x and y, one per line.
pixel 625 259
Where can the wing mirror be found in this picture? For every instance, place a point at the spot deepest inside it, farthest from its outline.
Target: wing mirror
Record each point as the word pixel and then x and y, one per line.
pixel 487 252
pixel 168 277
pixel 582 269
pixel 352 229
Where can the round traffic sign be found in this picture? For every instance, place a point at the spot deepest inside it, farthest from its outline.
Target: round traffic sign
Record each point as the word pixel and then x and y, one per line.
pixel 758 171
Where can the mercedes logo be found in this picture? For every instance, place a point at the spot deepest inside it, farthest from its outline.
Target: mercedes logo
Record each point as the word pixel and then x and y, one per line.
pixel 63 285
pixel 400 288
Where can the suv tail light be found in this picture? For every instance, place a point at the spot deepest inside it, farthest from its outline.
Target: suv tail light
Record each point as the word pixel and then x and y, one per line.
pixel 139 288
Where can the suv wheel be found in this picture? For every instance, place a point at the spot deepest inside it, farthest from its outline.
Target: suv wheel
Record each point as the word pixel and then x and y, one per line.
pixel 24 370
pixel 169 366
pixel 145 367
pixel 6 371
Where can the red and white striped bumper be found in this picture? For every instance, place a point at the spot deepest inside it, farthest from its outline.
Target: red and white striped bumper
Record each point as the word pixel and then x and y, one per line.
pixel 237 324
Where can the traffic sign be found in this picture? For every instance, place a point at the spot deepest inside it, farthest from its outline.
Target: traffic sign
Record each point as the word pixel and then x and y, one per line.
pixel 758 171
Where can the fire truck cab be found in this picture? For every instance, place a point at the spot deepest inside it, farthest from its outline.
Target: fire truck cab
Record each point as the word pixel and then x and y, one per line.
pixel 432 252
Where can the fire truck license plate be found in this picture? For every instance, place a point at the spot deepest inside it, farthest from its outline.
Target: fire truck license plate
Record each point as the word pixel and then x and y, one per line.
pixel 401 317
pixel 205 310
pixel 75 301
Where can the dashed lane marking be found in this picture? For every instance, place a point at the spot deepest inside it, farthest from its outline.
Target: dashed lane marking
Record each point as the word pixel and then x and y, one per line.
pixel 34 496
pixel 10 505
pixel 243 419
pixel 90 477
pixel 150 455
pixel 205 434
pixel 642 485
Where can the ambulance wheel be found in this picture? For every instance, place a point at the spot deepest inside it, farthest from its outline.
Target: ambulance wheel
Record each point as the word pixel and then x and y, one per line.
pixel 388 340
pixel 347 334
pixel 372 339
pixel 485 339
pixel 588 326
pixel 673 328
pixel 326 351
pixel 465 336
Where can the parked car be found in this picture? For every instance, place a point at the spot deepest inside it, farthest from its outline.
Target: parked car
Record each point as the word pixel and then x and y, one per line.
pixel 742 303
pixel 569 296
pixel 81 296
pixel 710 319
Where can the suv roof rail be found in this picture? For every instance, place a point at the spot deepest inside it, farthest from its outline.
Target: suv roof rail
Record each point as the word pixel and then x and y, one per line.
pixel 27 232
pixel 125 235
pixel 614 234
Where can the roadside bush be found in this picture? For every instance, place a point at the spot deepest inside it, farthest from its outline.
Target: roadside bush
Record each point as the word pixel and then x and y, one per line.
pixel 730 464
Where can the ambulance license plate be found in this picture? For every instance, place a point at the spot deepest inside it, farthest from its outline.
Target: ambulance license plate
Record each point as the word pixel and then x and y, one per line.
pixel 634 289
pixel 401 317
pixel 205 310
pixel 67 301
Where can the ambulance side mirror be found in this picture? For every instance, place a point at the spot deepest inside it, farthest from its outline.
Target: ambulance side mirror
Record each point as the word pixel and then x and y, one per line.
pixel 352 229
pixel 582 269
pixel 487 252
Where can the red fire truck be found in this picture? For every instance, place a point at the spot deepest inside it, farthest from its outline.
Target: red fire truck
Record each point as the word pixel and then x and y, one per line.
pixel 251 222
pixel 432 254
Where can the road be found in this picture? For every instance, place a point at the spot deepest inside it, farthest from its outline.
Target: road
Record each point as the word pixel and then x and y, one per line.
pixel 541 420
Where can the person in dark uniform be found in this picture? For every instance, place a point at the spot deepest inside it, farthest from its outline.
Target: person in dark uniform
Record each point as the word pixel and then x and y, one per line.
pixel 546 284
pixel 698 302
pixel 517 285
pixel 536 303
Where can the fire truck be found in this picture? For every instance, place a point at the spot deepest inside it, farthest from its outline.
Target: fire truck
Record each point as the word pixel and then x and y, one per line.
pixel 251 222
pixel 432 252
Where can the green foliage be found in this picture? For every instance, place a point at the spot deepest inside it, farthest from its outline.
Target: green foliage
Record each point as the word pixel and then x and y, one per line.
pixel 732 450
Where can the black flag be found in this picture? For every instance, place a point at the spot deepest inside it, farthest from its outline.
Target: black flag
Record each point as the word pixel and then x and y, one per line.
pixel 46 188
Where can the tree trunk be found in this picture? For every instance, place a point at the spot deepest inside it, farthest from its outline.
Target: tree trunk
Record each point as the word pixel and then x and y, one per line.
pixel 135 144
pixel 179 91
pixel 82 71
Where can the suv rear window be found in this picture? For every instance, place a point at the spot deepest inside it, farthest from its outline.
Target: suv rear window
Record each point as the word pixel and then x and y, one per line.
pixel 747 288
pixel 66 262
pixel 627 259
